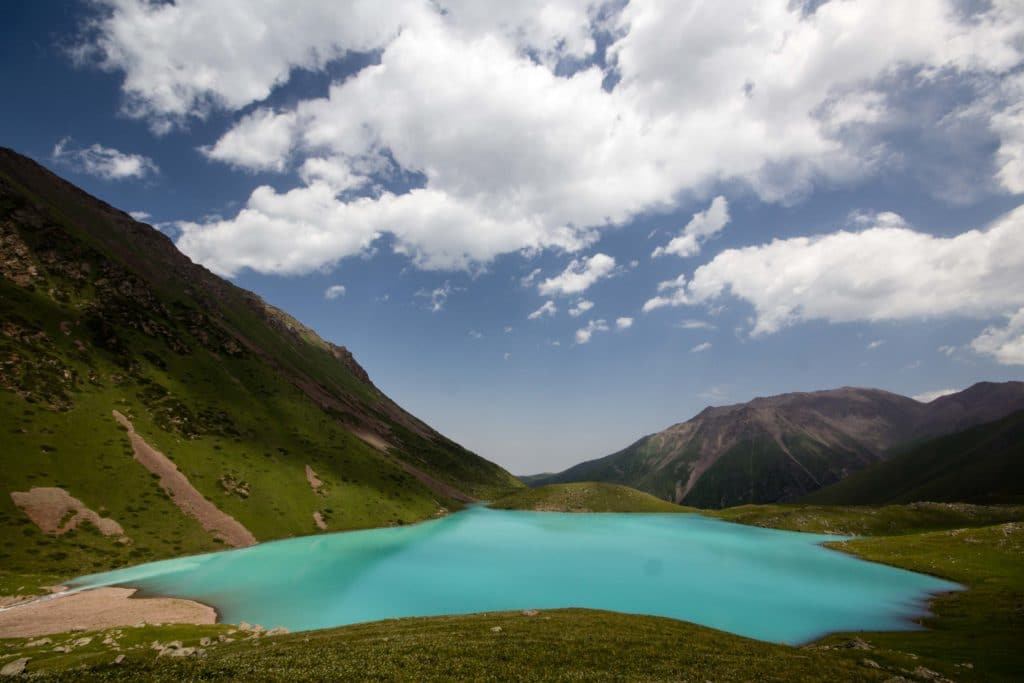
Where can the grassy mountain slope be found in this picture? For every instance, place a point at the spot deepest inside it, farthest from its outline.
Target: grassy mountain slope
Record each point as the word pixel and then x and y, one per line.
pixel 983 464
pixel 586 497
pixel 100 312
pixel 782 448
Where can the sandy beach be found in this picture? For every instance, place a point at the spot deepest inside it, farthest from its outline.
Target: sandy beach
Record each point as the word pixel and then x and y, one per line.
pixel 98 609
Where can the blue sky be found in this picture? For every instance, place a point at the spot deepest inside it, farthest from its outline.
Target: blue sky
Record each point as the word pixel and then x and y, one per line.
pixel 749 198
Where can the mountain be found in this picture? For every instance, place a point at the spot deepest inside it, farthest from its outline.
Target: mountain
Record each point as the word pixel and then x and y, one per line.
pixel 782 448
pixel 982 464
pixel 150 408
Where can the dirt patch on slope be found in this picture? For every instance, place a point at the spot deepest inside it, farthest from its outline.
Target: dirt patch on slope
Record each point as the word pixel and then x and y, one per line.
pixel 314 481
pixel 373 439
pixel 97 609
pixel 185 496
pixel 433 484
pixel 318 519
pixel 55 511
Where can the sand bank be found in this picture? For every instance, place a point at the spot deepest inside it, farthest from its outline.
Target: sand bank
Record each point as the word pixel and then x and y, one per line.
pixel 98 609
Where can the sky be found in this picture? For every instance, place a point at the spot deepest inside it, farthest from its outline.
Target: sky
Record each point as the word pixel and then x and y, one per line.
pixel 550 228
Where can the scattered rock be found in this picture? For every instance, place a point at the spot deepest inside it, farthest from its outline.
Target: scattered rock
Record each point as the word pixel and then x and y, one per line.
pixel 278 631
pixel 62 648
pixel 39 643
pixel 15 668
pixel 870 663
pixel 855 644
pixel 205 642
pixel 496 629
pixel 81 642
pixel 530 612
pixel 118 659
pixel 929 675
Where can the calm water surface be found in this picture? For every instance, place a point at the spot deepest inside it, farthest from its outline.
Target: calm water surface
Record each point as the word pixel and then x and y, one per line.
pixel 767 584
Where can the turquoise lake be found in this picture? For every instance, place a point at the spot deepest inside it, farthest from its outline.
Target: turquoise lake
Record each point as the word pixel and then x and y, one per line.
pixel 772 585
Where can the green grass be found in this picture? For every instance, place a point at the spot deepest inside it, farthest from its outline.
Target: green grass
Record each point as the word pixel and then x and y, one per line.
pixel 581 645
pixel 890 520
pixel 586 497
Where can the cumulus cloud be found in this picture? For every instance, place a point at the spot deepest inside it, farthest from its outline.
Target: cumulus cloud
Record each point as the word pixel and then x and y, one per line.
pixel 475 334
pixel 579 275
pixel 773 96
pixel 183 59
pixel 584 334
pixel 1004 343
pixel 929 396
pixel 260 141
pixel 872 345
pixel 670 293
pixel 580 307
pixel 334 291
pixel 623 323
pixel 701 227
pixel 548 308
pixel 889 272
pixel 140 215
pixel 704 346
pixel 103 162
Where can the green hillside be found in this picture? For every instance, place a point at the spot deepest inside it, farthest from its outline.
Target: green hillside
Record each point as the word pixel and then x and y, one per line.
pixel 984 464
pixel 101 313
pixel 586 497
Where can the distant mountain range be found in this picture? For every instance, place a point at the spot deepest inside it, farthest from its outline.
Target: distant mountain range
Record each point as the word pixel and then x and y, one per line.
pixel 782 448
pixel 234 422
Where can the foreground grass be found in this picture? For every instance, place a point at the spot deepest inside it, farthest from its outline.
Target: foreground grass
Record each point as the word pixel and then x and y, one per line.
pixel 586 497
pixel 973 636
pixel 582 645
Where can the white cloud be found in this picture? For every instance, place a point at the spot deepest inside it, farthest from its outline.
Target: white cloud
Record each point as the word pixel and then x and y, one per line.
pixel 947 349
pixel 874 344
pixel 140 215
pixel 580 307
pixel 701 227
pixel 1006 343
pixel 508 329
pixel 584 334
pixel 881 273
pixel 548 309
pixel 183 59
pixel 334 291
pixel 771 96
pixel 507 355
pixel 104 162
pixel 260 141
pixel 475 334
pixel 579 275
pixel 929 396
pixel 623 323
pixel 438 296
pixel 672 293
pixel 528 279
pixel 690 324
pixel 704 346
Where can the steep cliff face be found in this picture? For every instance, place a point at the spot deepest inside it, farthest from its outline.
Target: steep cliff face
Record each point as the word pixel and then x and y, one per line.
pixel 781 448
pixel 100 312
